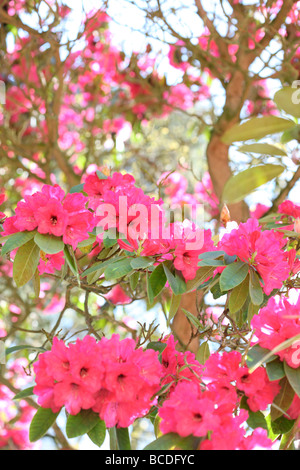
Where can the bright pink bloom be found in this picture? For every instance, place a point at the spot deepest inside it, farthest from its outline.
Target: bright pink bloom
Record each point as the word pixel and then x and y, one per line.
pixel 276 323
pixel 51 218
pixel 192 241
pixel 262 250
pixel 225 370
pixel 187 411
pixel 110 377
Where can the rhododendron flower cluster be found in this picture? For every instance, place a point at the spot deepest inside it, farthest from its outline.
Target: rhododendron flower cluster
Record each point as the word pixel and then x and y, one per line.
pixel 277 322
pixel 208 406
pixel 225 374
pixel 50 212
pixel 192 410
pixel 109 376
pixel 263 250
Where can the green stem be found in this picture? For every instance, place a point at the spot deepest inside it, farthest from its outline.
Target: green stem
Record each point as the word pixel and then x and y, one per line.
pixel 113 441
pixel 123 438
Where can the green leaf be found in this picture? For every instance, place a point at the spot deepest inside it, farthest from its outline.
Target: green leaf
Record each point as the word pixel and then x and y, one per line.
pixel 157 346
pixel 256 128
pixel 176 283
pixel 101 175
pixel 194 320
pixel 16 240
pixel 282 425
pixel 202 275
pixel 174 306
pixel 110 237
pixel 255 289
pixel 156 282
pixel 101 265
pixel 283 399
pixel 21 347
pixel 36 283
pixel 211 254
pixel 233 275
pixel 245 182
pixel 142 262
pixel 118 269
pixel 77 189
pixel 275 370
pixel 41 422
pixel 211 262
pixel 293 376
pixel 82 423
pixel 238 296
pixel 71 261
pixel 49 244
pixel 170 441
pixel 97 433
pixel 203 353
pixel 88 242
pixel 134 280
pixel 123 438
pixel 257 420
pixel 27 392
pixel 256 354
pixel 291 134
pixel 263 149
pixel 287 99
pixel 25 263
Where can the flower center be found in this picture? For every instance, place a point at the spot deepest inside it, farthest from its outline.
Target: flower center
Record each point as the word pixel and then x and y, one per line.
pixel 53 219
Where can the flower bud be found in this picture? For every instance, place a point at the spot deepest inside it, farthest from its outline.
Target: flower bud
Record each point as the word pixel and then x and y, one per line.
pixel 297 225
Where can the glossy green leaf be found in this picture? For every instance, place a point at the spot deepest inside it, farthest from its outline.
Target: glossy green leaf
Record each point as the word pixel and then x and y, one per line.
pixel 176 283
pixel 142 262
pixel 283 399
pixel 97 433
pixel 41 422
pixel 118 269
pixel 174 306
pixel 256 128
pixel 156 282
pixel 82 423
pixel 288 99
pixel 256 354
pixel 244 183
pixel 16 240
pixel 25 263
pixel 255 289
pixel 194 320
pixel 238 296
pixel 263 149
pixel 233 275
pixel 201 276
pixel 49 244
pixel 203 353
pixel 275 370
pixel 27 392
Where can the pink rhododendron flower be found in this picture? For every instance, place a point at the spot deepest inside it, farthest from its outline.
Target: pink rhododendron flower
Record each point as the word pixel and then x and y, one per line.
pixel 187 257
pixel 225 370
pixel 110 377
pixel 262 250
pixel 277 322
pixel 289 208
pixel 50 212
